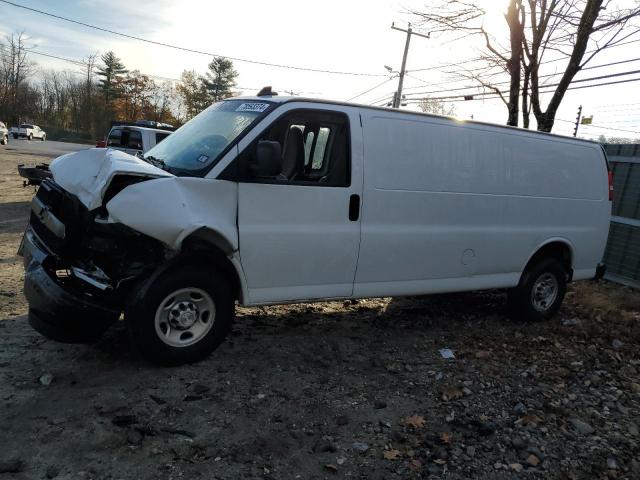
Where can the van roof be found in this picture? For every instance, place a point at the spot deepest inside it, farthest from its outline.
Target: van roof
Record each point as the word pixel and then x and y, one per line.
pixel 286 99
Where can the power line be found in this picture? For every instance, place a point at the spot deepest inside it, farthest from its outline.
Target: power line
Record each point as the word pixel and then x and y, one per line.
pixel 191 50
pixel 541 76
pixel 370 90
pixel 600 126
pixel 477 59
pixel 508 81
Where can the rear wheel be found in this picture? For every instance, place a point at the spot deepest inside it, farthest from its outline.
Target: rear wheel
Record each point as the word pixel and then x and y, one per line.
pixel 540 292
pixel 43 137
pixel 31 136
pixel 5 140
pixel 181 316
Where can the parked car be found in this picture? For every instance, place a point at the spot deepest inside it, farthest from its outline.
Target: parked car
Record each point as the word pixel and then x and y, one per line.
pixel 4 134
pixel 30 132
pixel 135 138
pixel 267 200
pixel 13 132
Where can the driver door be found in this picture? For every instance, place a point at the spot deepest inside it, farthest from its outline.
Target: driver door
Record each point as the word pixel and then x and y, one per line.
pixel 299 231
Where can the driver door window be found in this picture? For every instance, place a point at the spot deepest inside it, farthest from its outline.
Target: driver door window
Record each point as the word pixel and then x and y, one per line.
pixel 314 150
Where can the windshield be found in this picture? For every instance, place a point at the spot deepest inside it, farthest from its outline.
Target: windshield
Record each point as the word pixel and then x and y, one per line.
pixel 198 143
pixel 26 125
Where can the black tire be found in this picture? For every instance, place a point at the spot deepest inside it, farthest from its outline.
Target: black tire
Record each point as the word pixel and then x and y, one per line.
pixel 5 140
pixel 43 137
pixel 31 136
pixel 522 301
pixel 147 301
pixel 69 328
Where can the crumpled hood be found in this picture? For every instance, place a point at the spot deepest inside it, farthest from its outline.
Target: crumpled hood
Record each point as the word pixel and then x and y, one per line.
pixel 87 173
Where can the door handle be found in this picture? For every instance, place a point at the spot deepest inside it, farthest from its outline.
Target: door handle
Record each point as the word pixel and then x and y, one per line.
pixel 354 208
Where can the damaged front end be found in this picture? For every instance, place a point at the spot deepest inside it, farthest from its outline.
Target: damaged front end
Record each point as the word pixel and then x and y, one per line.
pixel 79 267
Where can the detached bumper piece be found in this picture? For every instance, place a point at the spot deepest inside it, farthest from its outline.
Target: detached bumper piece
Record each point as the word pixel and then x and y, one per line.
pixel 57 308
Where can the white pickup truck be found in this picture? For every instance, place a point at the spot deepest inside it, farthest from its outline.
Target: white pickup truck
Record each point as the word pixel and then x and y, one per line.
pixel 30 131
pixel 136 138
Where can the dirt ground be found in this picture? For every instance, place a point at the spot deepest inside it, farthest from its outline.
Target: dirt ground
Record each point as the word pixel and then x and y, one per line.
pixel 333 390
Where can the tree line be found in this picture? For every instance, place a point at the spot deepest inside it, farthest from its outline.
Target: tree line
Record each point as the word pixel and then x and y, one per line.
pixel 82 102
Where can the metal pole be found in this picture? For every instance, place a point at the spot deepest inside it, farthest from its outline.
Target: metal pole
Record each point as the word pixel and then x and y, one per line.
pixel 398 96
pixel 575 130
pixel 397 99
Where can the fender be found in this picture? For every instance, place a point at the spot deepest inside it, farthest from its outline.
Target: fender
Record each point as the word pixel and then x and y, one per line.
pixel 171 209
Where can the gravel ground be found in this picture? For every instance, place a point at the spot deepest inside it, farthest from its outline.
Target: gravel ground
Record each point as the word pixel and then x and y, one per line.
pixel 332 390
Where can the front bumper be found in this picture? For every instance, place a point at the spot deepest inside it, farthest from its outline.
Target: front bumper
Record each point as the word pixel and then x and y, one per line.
pixel 50 296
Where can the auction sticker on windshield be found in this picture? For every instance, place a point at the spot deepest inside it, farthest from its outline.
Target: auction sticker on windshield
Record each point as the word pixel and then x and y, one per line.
pixel 252 107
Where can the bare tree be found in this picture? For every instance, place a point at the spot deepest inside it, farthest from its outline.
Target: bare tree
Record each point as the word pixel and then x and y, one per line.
pixel 566 27
pixel 437 107
pixel 15 69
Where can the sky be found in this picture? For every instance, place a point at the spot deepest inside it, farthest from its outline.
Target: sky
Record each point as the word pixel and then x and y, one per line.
pixel 340 35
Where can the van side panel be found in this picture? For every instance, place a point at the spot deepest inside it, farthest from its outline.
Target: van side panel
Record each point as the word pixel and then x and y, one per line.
pixel 451 206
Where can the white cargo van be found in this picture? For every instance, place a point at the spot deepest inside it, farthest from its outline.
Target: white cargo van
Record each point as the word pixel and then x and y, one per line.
pixel 267 200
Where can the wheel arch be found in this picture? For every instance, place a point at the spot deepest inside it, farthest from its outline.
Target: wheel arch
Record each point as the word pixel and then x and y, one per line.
pixel 211 246
pixel 558 248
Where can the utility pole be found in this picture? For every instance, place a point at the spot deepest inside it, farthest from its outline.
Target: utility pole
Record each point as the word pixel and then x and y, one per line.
pixel 398 95
pixel 575 130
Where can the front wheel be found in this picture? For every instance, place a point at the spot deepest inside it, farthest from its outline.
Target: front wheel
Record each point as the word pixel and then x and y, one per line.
pixel 31 136
pixel 181 315
pixel 5 140
pixel 540 292
pixel 43 137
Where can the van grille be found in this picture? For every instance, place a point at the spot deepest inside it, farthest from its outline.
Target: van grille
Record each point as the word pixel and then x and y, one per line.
pixel 66 208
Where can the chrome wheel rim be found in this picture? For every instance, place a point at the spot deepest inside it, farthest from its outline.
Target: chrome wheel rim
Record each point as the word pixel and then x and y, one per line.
pixel 185 317
pixel 544 292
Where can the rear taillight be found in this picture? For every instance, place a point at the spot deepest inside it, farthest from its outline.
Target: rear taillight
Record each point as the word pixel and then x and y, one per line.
pixel 610 186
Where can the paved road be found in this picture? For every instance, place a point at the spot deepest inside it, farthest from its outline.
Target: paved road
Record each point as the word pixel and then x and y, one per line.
pixel 48 149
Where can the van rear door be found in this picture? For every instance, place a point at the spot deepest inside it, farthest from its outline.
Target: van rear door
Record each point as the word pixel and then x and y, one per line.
pixel 299 230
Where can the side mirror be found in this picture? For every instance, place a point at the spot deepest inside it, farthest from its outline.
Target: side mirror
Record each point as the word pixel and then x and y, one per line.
pixel 269 159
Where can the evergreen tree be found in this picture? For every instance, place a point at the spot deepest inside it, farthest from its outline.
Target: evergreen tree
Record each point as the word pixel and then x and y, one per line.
pixel 110 70
pixel 220 80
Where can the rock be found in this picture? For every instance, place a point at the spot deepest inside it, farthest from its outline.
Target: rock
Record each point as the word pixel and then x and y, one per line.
pixel 192 398
pixel 360 447
pixel 52 471
pixel 134 437
pixel 199 389
pixel 582 427
pixel 323 447
pixel 533 460
pixel 616 344
pixel 612 464
pixel 569 322
pixel 342 420
pixel 632 428
pixel 13 465
pixel 516 467
pixel 124 420
pixel 379 404
pixel 520 409
pixel 519 443
pixel 471 451
pixel 331 467
pixel 482 354
pixel 46 379
pixel 635 387
pixel 341 460
pixel 466 391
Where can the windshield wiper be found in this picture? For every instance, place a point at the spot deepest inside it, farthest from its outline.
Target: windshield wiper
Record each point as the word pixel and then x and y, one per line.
pixel 156 162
